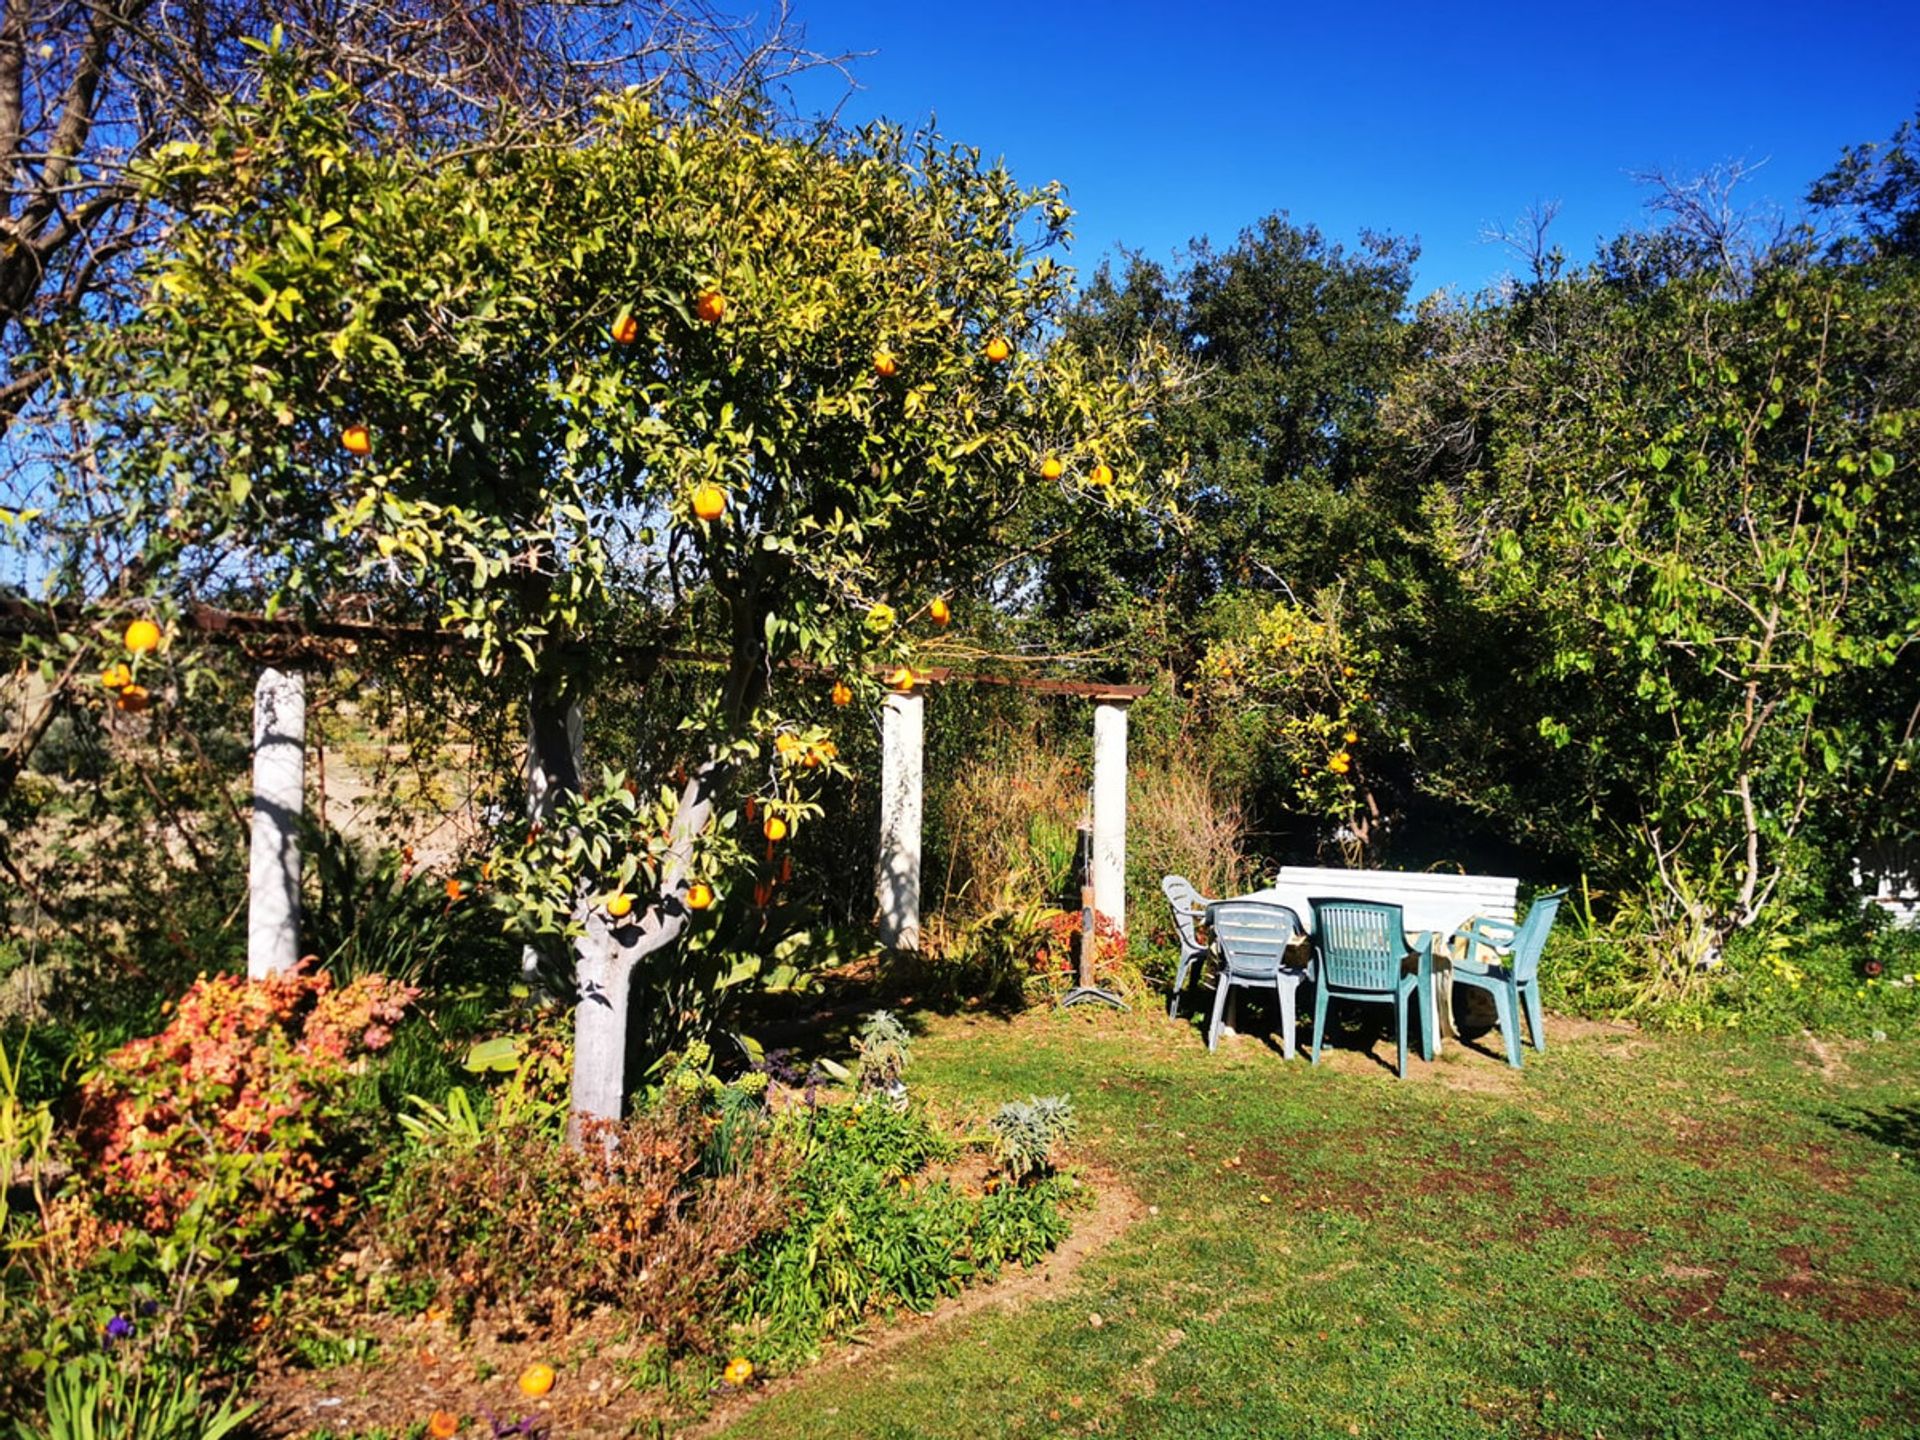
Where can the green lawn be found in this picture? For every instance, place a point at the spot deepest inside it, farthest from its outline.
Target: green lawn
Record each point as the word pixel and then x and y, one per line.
pixel 1637 1235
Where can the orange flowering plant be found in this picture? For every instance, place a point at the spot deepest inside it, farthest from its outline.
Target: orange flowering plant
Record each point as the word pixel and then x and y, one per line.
pixel 233 1116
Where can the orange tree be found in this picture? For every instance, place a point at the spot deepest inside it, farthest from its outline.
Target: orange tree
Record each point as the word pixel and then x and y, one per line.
pixel 678 379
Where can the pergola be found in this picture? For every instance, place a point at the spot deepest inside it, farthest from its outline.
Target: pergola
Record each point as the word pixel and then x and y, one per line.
pixel 902 776
pixel 279 749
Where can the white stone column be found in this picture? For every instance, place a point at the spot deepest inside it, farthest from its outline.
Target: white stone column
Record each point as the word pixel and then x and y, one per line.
pixel 897 877
pixel 279 790
pixel 1110 810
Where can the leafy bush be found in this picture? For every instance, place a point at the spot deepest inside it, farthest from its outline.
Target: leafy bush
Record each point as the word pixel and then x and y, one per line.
pixel 373 913
pixel 885 1047
pixel 231 1118
pixel 632 1219
pixel 1830 977
pixel 1030 1133
pixel 869 1228
pixel 26 1136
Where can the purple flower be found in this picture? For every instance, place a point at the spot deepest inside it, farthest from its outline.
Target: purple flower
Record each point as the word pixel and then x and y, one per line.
pixel 119 1328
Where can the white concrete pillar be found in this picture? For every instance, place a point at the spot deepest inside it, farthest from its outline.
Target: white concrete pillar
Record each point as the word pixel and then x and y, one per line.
pixel 1110 810
pixel 279 790
pixel 897 879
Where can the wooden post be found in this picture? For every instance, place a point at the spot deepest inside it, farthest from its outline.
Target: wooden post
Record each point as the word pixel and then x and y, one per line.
pixel 1109 867
pixel 897 876
pixel 279 785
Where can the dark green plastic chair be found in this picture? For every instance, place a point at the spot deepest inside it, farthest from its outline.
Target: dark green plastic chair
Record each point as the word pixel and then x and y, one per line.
pixel 1514 982
pixel 1253 937
pixel 1189 909
pixel 1361 946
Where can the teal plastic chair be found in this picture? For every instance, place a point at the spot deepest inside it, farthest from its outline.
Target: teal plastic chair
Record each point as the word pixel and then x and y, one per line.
pixel 1362 950
pixel 1253 937
pixel 1189 909
pixel 1514 983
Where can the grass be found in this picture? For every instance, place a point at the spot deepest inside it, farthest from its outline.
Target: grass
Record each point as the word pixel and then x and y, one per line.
pixel 1637 1235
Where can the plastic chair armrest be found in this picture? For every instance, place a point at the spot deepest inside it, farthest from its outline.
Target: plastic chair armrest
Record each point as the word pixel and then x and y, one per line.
pixel 1495 934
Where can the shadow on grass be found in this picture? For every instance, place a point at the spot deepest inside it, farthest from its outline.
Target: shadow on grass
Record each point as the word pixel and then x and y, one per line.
pixel 1897 1126
pixel 823 1022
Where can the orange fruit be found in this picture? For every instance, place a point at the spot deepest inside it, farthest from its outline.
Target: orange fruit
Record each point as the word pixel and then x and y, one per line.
pixel 710 306
pixel 1051 468
pixel 902 679
pixel 842 695
pixel 998 350
pixel 938 611
pixel 739 1370
pixel 143 636
pixel 1101 475
pixel 775 828
pixel 699 895
pixel 536 1380
pixel 132 699
pixel 443 1425
pixel 116 677
pixel 620 906
pixel 625 330
pixel 357 439
pixel 885 366
pixel 709 502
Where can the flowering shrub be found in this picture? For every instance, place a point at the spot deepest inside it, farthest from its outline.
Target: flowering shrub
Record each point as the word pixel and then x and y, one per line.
pixel 1056 958
pixel 231 1113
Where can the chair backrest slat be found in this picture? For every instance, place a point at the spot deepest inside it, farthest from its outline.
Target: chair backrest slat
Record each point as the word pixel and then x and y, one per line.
pixel 1531 938
pixel 1188 906
pixel 1362 943
pixel 1253 936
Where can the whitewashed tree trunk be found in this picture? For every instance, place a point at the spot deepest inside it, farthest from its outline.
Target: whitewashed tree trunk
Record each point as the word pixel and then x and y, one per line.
pixel 607 956
pixel 897 875
pixel 1110 812
pixel 279 792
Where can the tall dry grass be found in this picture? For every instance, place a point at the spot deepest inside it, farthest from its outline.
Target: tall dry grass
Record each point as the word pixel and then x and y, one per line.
pixel 1179 822
pixel 1010 821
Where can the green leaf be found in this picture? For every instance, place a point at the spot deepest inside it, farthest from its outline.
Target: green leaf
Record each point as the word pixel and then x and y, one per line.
pixel 501 1052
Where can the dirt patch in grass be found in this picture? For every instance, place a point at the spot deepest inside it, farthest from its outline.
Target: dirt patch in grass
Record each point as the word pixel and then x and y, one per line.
pixel 1835 1297
pixel 1470 1170
pixel 607 1384
pixel 1777 1359
pixel 1691 1297
pixel 1295 1188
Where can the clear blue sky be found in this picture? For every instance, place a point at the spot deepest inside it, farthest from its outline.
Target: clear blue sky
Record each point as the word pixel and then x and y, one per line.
pixel 1168 120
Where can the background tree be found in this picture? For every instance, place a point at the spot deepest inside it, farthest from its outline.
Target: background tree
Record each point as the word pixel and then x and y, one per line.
pixel 1875 189
pixel 1295 339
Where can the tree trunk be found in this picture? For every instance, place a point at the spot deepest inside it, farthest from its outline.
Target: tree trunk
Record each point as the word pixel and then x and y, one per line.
pixel 607 957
